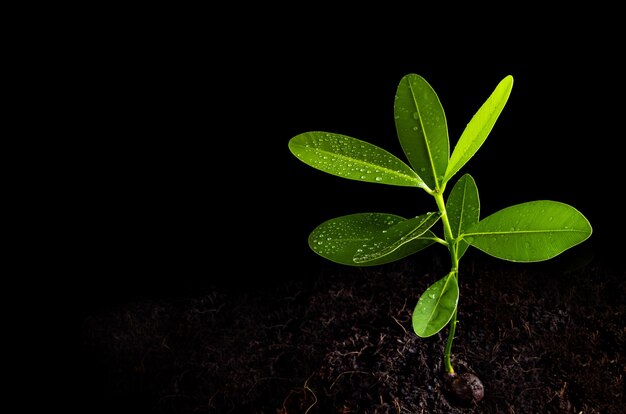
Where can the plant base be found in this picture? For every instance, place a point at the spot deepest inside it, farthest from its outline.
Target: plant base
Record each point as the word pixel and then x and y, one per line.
pixel 464 389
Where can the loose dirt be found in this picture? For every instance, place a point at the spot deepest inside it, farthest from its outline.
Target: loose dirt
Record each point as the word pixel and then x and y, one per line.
pixel 542 338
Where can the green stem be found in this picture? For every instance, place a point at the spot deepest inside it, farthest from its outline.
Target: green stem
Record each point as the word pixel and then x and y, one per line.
pixel 448 350
pixel 447 230
pixel 454 259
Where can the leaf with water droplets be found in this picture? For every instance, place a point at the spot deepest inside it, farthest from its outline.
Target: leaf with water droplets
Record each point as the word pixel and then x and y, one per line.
pixel 338 239
pixel 394 237
pixel 479 127
pixel 530 232
pixel 352 158
pixel 422 128
pixel 436 306
pixel 463 208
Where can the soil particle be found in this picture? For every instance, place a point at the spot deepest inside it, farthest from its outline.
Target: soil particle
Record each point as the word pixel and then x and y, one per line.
pixel 541 340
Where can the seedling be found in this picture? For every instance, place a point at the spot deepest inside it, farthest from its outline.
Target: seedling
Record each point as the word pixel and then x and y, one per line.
pixel 527 232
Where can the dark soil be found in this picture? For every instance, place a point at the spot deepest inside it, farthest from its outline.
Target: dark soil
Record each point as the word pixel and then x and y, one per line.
pixel 542 338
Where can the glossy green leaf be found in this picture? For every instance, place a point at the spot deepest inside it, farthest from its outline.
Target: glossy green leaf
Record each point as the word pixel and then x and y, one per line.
pixel 463 208
pixel 530 232
pixel 339 238
pixel 479 127
pixel 422 128
pixel 436 306
pixel 395 236
pixel 352 158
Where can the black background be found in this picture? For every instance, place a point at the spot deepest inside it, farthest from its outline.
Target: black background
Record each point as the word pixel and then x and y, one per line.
pixel 183 176
pixel 155 144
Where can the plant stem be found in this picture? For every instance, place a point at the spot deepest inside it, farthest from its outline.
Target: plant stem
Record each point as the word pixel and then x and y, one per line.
pixel 448 351
pixel 454 259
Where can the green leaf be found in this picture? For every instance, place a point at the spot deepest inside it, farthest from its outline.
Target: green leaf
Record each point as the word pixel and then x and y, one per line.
pixel 352 158
pixel 530 232
pixel 338 239
pixel 463 207
pixel 422 128
pixel 436 306
pixel 479 127
pixel 394 237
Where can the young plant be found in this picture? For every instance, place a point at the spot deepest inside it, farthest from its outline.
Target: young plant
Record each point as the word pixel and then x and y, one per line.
pixel 527 232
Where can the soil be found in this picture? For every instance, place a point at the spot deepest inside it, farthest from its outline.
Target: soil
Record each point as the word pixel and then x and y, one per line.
pixel 542 338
